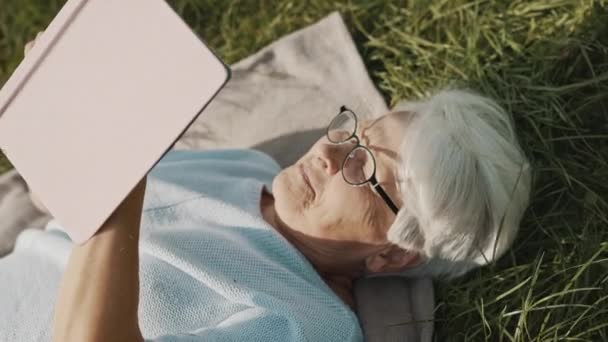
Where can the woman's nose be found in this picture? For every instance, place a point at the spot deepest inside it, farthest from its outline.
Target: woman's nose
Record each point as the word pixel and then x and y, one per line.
pixel 331 155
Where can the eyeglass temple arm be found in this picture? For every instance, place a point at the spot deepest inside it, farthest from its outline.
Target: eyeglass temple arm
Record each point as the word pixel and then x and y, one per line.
pixel 387 199
pixel 384 196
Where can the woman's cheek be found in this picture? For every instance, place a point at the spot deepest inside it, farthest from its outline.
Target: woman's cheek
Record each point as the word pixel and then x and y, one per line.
pixel 291 202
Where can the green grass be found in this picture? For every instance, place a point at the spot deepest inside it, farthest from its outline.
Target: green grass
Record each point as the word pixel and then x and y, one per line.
pixel 546 61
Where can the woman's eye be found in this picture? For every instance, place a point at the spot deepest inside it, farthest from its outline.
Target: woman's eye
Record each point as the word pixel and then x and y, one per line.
pixel 357 158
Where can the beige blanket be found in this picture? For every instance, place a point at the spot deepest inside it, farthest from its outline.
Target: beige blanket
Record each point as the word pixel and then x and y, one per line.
pixel 279 101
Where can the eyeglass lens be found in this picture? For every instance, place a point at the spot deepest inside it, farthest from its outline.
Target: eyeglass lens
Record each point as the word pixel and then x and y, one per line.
pixel 342 127
pixel 358 166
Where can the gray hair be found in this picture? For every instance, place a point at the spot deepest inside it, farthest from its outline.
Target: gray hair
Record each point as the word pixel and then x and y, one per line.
pixel 464 182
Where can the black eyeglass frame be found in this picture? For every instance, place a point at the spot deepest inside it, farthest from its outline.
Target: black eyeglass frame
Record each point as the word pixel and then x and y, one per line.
pixel 372 179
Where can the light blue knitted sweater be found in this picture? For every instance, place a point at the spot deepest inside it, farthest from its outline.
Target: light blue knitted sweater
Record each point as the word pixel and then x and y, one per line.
pixel 211 268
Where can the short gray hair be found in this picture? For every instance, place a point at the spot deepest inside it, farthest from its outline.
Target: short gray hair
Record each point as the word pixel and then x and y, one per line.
pixel 464 182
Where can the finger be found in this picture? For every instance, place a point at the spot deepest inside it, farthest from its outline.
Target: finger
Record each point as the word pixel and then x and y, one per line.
pixel 28 47
pixel 31 43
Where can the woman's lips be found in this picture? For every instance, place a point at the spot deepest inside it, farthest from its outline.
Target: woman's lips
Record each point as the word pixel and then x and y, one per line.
pixel 306 179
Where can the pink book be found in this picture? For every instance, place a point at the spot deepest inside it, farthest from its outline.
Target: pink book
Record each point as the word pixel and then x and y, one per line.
pixel 101 97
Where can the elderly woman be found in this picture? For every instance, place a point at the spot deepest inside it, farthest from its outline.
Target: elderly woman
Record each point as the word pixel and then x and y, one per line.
pixel 224 245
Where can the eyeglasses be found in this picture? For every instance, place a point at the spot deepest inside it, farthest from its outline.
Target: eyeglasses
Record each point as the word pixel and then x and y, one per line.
pixel 359 166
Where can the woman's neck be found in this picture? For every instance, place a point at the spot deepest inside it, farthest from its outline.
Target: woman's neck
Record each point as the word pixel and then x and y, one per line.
pixel 340 284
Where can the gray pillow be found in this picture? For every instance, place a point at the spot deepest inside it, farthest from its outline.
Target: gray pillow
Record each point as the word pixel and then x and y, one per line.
pixel 280 99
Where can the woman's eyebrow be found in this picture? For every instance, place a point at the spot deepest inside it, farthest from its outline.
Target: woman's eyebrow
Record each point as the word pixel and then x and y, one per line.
pixel 362 131
pixel 378 134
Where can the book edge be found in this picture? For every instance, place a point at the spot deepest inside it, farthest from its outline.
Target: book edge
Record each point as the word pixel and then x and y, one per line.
pixel 38 53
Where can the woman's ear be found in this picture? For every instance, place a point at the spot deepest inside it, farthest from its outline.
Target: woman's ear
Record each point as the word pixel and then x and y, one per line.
pixel 391 259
